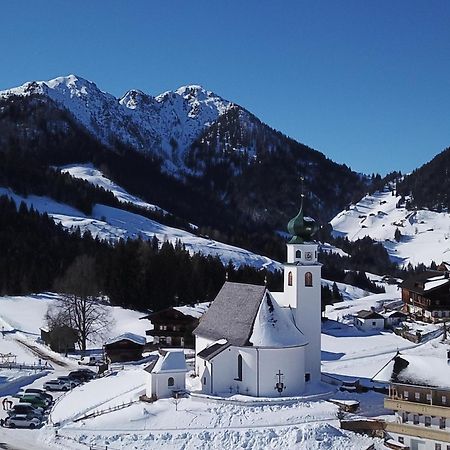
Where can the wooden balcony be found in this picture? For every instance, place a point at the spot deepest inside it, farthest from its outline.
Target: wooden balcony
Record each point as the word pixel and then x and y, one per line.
pixel 419 431
pixel 416 407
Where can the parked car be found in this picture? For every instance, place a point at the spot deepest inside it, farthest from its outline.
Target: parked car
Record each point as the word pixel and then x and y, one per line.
pixel 82 375
pixel 23 421
pixel 25 409
pixel 57 385
pixel 90 360
pixel 41 392
pixel 34 400
pixel 72 381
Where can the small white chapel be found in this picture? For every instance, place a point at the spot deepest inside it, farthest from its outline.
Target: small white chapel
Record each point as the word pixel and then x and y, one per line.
pixel 266 344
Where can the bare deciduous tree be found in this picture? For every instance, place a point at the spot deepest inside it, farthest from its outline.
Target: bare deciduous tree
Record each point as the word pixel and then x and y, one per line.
pixel 80 307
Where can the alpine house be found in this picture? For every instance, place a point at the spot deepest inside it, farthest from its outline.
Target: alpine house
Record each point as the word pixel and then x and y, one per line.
pixel 261 343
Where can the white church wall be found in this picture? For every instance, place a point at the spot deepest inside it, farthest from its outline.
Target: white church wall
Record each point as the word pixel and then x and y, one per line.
pixel 291 364
pixel 259 372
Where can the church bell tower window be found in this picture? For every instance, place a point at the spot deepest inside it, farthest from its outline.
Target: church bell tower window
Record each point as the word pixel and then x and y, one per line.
pixel 298 254
pixel 308 279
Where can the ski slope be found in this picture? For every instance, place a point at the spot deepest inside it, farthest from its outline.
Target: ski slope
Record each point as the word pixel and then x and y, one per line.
pixel 425 234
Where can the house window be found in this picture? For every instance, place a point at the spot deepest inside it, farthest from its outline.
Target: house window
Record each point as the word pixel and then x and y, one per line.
pixel 401 440
pixel 290 279
pixel 416 419
pixel 417 395
pixel 308 279
pixel 442 423
pixel 307 377
pixel 374 324
pixel 429 397
pixel 437 446
pixel 444 399
pixel 405 417
pixel 427 421
pixel 405 394
pixel 298 254
pixel 170 382
pixel 239 367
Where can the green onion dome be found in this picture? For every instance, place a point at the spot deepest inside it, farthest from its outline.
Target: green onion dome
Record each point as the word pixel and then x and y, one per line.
pixel 301 228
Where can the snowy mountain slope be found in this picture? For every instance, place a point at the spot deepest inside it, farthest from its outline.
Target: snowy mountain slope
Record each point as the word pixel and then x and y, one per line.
pixel 425 235
pixel 113 224
pixel 165 125
pixel 89 173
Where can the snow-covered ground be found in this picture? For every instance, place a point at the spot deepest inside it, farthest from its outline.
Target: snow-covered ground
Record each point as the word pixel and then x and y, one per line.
pixel 112 224
pixel 425 234
pixel 205 423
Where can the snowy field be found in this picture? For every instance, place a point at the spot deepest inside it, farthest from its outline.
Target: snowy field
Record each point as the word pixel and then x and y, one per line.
pixel 425 234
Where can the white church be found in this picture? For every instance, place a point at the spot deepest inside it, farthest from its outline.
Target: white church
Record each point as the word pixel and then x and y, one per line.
pixel 261 343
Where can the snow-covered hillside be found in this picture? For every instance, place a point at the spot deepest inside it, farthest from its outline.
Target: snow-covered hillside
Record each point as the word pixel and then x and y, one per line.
pixel 425 235
pixel 112 224
pixel 90 174
pixel 165 125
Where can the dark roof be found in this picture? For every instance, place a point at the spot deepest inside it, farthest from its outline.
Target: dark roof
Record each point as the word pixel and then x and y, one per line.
pixel 213 350
pixel 369 315
pixel 414 283
pixel 232 313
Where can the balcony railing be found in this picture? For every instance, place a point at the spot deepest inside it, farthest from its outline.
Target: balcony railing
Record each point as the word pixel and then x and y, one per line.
pixel 416 407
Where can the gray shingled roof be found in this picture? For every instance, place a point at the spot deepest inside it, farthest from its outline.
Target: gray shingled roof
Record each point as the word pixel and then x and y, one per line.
pixel 232 313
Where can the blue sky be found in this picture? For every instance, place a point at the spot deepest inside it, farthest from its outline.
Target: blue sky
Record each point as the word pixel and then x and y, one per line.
pixel 365 82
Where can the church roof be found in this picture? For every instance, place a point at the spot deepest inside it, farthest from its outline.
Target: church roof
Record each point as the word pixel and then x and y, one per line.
pixel 232 313
pixel 274 326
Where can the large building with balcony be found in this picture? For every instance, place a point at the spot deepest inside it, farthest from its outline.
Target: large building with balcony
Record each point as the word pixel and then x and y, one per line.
pixel 419 395
pixel 427 295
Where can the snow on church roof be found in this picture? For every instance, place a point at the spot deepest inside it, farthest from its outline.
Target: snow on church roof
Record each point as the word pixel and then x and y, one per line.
pixel 246 314
pixel 274 328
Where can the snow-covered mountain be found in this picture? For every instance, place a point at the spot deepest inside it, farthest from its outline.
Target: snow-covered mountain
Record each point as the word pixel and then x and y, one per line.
pixel 165 125
pixel 423 236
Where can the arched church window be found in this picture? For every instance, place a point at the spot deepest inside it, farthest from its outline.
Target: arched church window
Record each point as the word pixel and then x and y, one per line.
pixel 298 254
pixel 308 279
pixel 239 361
pixel 290 279
pixel 170 382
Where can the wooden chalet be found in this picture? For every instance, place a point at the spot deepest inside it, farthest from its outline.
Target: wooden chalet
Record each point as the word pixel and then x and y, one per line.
pixel 126 347
pixel 427 295
pixel 172 327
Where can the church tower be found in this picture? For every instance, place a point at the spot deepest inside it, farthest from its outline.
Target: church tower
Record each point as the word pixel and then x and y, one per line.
pixel 302 287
